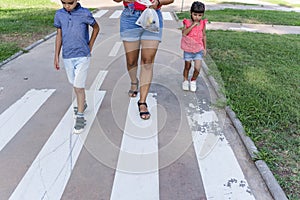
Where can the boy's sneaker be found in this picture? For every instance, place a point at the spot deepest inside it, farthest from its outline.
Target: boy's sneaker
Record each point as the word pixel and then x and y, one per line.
pixel 79 125
pixel 185 85
pixel 193 86
pixel 76 109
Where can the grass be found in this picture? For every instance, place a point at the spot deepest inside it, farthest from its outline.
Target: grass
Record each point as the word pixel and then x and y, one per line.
pixel 24 22
pixel 276 2
pixel 261 75
pixel 250 16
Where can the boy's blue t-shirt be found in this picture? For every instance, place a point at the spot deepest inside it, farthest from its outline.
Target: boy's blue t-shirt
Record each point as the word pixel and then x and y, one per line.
pixel 75 31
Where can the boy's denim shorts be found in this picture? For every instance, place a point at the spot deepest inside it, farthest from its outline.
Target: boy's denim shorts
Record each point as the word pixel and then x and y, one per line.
pixel 130 32
pixel 76 69
pixel 187 56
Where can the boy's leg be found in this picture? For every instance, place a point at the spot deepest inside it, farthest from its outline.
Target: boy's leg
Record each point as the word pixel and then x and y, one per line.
pixel 81 67
pixel 80 96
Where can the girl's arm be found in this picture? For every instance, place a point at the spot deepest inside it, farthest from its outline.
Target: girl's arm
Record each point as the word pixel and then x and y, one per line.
pixel 204 39
pixel 94 35
pixel 186 31
pixel 58 44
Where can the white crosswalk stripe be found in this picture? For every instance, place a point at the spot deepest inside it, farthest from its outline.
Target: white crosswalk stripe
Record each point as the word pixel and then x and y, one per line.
pixel 117 13
pixel 16 116
pixel 214 154
pixel 50 171
pixel 100 13
pixel 137 171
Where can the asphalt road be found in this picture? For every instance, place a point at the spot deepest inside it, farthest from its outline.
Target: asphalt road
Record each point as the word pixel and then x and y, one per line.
pixel 187 150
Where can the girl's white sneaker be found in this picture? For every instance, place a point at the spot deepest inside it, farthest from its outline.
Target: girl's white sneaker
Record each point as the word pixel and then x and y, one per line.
pixel 193 86
pixel 185 85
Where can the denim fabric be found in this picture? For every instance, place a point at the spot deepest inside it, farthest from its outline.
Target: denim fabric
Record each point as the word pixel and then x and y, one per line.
pixel 187 56
pixel 129 31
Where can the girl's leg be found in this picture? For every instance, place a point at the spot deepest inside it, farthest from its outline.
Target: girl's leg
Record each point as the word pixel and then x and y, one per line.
pixel 132 50
pixel 149 49
pixel 197 67
pixel 187 67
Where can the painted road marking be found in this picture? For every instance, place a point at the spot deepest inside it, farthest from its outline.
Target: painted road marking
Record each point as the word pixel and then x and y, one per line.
pixel 242 29
pixel 116 14
pixel 167 16
pixel 49 173
pixel 100 13
pixel 18 114
pixel 98 81
pixel 136 175
pixel 115 49
pixel 221 173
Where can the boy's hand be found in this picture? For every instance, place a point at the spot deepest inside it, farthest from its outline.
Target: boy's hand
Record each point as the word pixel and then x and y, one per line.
pixel 56 65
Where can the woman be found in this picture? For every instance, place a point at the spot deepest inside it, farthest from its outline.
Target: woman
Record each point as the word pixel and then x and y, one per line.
pixel 135 40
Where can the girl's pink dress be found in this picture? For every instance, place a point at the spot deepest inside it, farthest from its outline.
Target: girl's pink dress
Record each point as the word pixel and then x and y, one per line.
pixel 193 41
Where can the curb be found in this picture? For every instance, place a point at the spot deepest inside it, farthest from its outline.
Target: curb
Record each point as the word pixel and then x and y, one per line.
pixel 25 50
pixel 272 184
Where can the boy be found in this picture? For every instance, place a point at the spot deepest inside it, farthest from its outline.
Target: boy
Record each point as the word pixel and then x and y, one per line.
pixel 72 23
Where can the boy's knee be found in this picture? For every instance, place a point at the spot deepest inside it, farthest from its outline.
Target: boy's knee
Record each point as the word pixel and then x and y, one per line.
pixel 79 90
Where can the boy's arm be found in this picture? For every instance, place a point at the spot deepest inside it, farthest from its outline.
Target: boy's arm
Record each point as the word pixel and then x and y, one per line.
pixel 94 35
pixel 58 44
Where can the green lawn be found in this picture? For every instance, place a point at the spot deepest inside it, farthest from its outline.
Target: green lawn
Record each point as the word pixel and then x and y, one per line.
pixel 276 2
pixel 24 22
pixel 250 16
pixel 261 75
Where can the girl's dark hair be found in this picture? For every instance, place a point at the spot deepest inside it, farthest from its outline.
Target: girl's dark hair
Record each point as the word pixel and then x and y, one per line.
pixel 198 7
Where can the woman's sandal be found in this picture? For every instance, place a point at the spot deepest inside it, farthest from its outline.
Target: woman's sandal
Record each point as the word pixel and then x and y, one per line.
pixel 133 93
pixel 146 114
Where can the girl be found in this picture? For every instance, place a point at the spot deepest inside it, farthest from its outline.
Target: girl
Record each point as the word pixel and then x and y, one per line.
pixel 193 43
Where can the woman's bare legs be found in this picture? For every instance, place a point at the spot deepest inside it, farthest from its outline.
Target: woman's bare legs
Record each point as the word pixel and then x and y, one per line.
pixel 148 52
pixel 132 50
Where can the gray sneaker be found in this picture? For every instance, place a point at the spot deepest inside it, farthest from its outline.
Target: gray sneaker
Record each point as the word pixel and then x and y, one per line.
pixel 76 109
pixel 79 125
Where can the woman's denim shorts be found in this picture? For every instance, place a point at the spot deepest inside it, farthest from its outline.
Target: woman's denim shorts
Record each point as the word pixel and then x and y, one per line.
pixel 187 56
pixel 129 31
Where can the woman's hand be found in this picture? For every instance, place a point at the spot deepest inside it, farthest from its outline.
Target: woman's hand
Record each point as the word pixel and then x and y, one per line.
pixel 155 4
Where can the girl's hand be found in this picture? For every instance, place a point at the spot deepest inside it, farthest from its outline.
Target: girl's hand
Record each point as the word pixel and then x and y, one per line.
pixel 204 52
pixel 195 23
